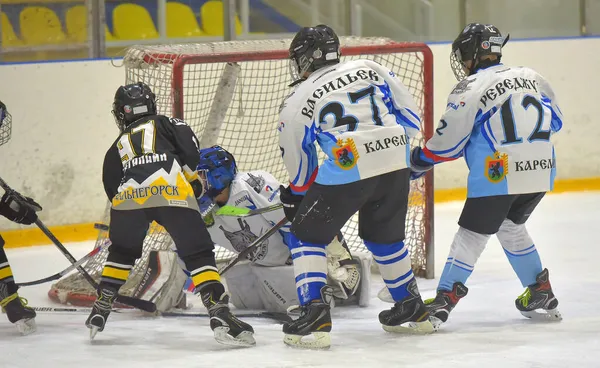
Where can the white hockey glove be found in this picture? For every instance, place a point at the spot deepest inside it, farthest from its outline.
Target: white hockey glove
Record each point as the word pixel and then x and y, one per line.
pixel 343 270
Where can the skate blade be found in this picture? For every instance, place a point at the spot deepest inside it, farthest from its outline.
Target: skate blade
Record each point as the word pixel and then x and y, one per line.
pixel 418 328
pixel 550 315
pixel 93 331
pixel 316 340
pixel 435 322
pixel 26 326
pixel 245 338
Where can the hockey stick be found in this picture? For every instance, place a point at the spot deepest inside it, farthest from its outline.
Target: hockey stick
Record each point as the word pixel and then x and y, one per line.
pixel 277 316
pixel 60 274
pixel 255 244
pixel 134 302
pixel 244 212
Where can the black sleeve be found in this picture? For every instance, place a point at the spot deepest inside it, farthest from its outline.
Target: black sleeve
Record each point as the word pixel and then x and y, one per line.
pixel 185 141
pixel 112 172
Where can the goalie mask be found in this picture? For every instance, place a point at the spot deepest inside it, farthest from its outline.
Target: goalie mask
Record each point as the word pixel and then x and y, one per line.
pixel 311 49
pixel 217 169
pixel 5 124
pixel 474 42
pixel 132 102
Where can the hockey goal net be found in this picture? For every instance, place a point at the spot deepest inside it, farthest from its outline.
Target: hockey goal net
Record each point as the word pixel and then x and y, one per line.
pixel 230 93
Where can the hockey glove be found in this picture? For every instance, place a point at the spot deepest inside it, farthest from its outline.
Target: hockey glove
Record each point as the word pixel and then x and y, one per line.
pixel 418 167
pixel 290 201
pixel 22 211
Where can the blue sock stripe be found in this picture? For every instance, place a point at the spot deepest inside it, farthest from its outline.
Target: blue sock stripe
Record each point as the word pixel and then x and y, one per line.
pixel 384 250
pixel 310 274
pixel 457 262
pixel 396 280
pixel 304 254
pixel 521 252
pixel 393 260
pixel 389 256
pixel 451 264
pixel 309 292
pixel 510 254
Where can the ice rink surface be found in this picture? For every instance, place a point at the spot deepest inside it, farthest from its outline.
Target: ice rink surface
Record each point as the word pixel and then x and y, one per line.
pixel 485 330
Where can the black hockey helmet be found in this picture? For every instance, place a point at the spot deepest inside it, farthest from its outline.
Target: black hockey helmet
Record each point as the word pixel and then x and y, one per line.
pixel 132 102
pixel 313 48
pixel 474 42
pixel 5 124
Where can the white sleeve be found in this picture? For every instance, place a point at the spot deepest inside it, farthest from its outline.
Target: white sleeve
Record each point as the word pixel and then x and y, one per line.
pixel 455 127
pixel 549 100
pixel 297 145
pixel 406 110
pixel 267 196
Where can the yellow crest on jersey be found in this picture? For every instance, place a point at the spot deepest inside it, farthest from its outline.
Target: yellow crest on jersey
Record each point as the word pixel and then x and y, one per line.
pixel 496 167
pixel 345 153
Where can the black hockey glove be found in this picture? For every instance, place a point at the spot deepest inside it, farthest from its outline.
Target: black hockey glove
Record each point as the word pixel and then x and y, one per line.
pixel 21 211
pixel 290 201
pixel 418 167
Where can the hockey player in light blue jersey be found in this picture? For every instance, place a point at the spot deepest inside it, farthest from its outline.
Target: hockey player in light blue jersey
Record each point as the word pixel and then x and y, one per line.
pixel 363 118
pixel 500 119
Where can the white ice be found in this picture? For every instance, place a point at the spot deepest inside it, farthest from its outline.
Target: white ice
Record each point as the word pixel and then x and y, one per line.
pixel 485 330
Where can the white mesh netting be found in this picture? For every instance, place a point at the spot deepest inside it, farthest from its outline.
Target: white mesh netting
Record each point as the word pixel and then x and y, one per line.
pixel 230 93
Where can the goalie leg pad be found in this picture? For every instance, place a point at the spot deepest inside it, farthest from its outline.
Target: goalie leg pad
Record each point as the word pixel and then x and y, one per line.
pixel 242 286
pixel 520 251
pixel 162 282
pixel 394 264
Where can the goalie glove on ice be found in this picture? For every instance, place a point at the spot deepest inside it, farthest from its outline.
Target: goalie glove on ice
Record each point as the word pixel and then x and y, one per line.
pixel 291 202
pixel 22 211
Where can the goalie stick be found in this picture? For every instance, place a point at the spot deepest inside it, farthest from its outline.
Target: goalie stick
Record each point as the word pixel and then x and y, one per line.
pixel 244 212
pixel 134 302
pixel 255 244
pixel 60 274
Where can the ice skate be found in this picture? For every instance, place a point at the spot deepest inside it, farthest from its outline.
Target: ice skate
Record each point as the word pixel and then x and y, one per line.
pixel 440 307
pixel 538 301
pixel 314 321
pixel 17 311
pixel 408 315
pixel 100 311
pixel 228 329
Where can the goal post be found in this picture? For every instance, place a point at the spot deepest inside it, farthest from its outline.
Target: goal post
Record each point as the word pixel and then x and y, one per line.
pixel 230 94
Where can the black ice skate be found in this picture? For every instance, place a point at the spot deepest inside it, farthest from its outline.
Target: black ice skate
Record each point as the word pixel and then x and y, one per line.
pixel 228 329
pixel 17 311
pixel 315 320
pixel 440 307
pixel 538 301
pixel 408 315
pixel 100 311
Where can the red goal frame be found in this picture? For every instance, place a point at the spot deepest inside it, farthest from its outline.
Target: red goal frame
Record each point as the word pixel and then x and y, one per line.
pixel 179 61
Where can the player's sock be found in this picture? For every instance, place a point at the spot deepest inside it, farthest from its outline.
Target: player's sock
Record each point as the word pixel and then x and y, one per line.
pixel 395 267
pixel 202 268
pixel 116 268
pixel 6 274
pixel 466 248
pixel 310 268
pixel 520 251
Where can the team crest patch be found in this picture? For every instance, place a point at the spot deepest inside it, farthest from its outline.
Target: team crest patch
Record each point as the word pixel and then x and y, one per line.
pixel 346 154
pixel 496 167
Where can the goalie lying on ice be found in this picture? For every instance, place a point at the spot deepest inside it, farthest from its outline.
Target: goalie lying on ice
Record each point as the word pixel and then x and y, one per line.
pixel 266 279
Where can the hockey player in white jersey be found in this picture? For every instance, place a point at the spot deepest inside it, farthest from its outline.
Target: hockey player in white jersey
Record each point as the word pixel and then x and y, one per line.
pixel 363 118
pixel 266 280
pixel 500 119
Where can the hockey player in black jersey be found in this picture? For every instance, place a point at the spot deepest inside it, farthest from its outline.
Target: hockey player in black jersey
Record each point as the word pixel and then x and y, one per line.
pixel 149 174
pixel 12 304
